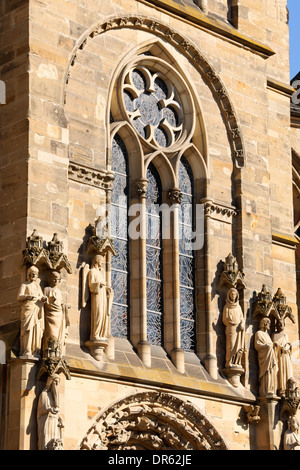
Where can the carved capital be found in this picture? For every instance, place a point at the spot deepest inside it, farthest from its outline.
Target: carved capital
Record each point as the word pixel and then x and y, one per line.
pixel 175 196
pixel 141 186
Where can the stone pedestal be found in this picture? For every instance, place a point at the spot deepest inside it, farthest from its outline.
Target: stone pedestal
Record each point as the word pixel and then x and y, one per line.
pixel 21 404
pixel 144 352
pixel 177 356
pixel 97 347
pixel 268 430
pixel 234 374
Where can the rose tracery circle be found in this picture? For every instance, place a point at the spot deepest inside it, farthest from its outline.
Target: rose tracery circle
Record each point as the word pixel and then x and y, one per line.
pixel 155 104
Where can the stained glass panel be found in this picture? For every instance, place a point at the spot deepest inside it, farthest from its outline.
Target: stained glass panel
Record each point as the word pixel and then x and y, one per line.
pixel 119 232
pixel 154 258
pixel 186 258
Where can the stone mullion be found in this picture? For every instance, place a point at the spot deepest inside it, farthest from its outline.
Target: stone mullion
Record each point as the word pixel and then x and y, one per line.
pixel 177 354
pixel 144 347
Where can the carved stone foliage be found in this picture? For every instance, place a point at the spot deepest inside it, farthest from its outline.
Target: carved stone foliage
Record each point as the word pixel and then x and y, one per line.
pixel 52 255
pixel 152 421
pixel 187 48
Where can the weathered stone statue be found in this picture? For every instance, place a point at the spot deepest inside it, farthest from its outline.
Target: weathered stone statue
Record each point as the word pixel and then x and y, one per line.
pixel 50 422
pixel 283 350
pixel 291 437
pixel 234 322
pixel 101 298
pixel 56 314
pixel 266 359
pixel 32 314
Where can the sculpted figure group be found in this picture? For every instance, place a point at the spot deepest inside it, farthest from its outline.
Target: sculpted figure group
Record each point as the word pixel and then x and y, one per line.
pixel 274 358
pixel 44 316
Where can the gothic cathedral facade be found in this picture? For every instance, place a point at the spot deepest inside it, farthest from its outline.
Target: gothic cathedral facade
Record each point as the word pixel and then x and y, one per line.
pixel 149 216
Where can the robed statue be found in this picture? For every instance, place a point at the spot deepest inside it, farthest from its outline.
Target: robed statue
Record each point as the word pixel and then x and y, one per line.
pixel 56 314
pixel 234 322
pixel 32 314
pixel 49 420
pixel 266 359
pixel 95 284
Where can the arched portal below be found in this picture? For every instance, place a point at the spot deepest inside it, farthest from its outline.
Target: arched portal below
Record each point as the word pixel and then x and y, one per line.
pixel 152 421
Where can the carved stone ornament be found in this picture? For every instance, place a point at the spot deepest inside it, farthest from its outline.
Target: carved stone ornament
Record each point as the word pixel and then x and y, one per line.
pixel 99 243
pixel 175 196
pixel 268 306
pixel 252 413
pixel 152 421
pixel 264 304
pixel 52 256
pixel 231 275
pixel 291 400
pixel 54 365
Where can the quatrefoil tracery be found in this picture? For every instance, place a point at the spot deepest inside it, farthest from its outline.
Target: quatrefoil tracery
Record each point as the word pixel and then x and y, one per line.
pixel 153 106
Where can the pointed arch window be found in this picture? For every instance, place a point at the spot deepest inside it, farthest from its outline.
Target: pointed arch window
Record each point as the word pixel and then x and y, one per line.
pixel 119 232
pixel 153 109
pixel 186 257
pixel 154 258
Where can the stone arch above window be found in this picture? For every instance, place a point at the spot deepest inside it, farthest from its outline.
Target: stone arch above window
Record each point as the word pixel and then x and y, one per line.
pixel 152 421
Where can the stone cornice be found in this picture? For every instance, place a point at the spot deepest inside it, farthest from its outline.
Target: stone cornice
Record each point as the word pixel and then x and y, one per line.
pixel 287 241
pixel 194 15
pixel 280 87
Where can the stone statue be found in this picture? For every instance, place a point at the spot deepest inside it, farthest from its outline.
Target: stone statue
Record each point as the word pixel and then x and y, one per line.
pixel 101 298
pixel 266 359
pixel 283 349
pixel 50 422
pixel 234 322
pixel 32 314
pixel 56 314
pixel 291 438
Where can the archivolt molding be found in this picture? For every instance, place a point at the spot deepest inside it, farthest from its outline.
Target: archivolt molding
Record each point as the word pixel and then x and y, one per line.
pixel 187 48
pixel 152 421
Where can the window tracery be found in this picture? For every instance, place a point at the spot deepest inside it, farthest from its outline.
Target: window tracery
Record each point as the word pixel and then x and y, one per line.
pixel 153 108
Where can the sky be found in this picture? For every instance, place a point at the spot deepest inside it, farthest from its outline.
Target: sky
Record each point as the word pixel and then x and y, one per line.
pixel 294 9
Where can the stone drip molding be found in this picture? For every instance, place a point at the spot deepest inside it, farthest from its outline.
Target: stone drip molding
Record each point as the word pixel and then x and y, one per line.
pixel 97 178
pixel 153 421
pixel 189 50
